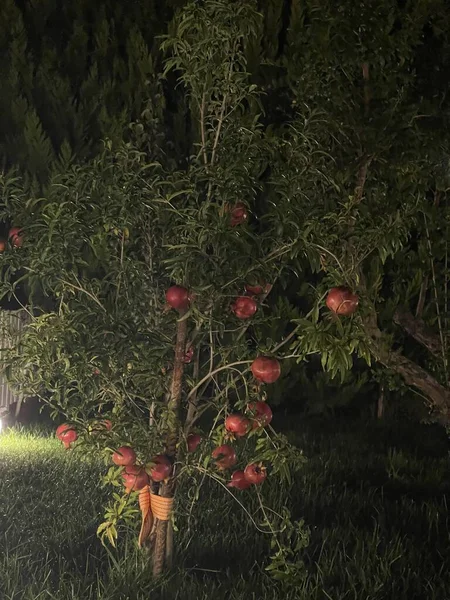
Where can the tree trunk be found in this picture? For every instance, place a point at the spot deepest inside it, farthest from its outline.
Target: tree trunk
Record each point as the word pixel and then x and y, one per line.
pixel 163 550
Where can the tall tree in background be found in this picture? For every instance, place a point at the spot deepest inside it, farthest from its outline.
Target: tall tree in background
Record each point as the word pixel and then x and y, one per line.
pixel 74 74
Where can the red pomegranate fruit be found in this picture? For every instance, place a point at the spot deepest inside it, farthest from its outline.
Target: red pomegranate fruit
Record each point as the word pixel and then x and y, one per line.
pixel 255 473
pixel 238 481
pixel 261 414
pixel 225 457
pixel 124 456
pixel 254 290
pixel 244 307
pixel 193 440
pixel 160 468
pixel 189 355
pixel 177 297
pixel 342 301
pixel 15 236
pixel 62 429
pixel 2 245
pixel 265 369
pixel 135 478
pixel 66 434
pixel 239 214
pixel 237 424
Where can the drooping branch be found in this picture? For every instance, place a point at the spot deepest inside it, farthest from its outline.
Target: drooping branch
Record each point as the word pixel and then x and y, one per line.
pixel 411 372
pixel 417 377
pixel 417 329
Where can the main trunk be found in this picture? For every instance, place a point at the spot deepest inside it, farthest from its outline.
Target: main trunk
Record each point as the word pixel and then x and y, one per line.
pixel 163 548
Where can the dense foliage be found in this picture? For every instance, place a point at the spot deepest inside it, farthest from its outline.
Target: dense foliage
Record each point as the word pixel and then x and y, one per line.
pixel 315 164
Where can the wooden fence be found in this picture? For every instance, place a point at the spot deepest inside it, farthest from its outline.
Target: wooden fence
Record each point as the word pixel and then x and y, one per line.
pixel 11 325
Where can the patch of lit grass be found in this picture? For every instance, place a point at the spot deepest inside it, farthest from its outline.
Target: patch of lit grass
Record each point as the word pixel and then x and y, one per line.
pixel 378 513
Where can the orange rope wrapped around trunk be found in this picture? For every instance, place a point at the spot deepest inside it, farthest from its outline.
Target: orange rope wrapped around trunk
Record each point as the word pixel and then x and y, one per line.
pixel 161 507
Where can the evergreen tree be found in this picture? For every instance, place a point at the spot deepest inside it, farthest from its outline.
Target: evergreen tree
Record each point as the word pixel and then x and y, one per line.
pixel 74 74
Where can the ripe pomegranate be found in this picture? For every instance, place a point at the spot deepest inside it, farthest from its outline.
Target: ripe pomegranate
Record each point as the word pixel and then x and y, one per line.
pixel 160 467
pixel 15 236
pixel 237 424
pixel 61 429
pixel 107 424
pixel 96 372
pixel 342 301
pixel 239 214
pixel 255 473
pixel 254 290
pixel 244 307
pixel 189 355
pixel 193 440
pixel 66 434
pixel 238 481
pixel 178 297
pixel 265 369
pixel 261 414
pixel 2 245
pixel 124 456
pixel 225 456
pixel 135 478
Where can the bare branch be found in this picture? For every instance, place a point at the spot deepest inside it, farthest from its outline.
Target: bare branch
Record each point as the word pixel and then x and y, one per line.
pixel 417 329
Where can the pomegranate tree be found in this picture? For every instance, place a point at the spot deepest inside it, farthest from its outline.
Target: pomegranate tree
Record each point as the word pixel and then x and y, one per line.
pixel 144 234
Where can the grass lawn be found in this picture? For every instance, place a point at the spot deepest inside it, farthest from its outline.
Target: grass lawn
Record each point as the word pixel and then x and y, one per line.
pixel 377 511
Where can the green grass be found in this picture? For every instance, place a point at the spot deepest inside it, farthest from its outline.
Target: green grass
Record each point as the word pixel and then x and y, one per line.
pixel 377 510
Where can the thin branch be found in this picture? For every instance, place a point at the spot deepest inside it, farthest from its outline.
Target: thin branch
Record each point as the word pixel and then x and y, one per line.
pixel 436 298
pixel 81 289
pixel 202 129
pixel 361 180
pixel 422 297
pixel 209 375
pixel 192 408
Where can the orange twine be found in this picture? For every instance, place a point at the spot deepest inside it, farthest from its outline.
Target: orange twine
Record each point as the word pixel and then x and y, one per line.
pixel 147 515
pixel 161 507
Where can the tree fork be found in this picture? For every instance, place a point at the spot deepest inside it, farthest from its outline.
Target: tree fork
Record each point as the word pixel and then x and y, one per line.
pixel 163 550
